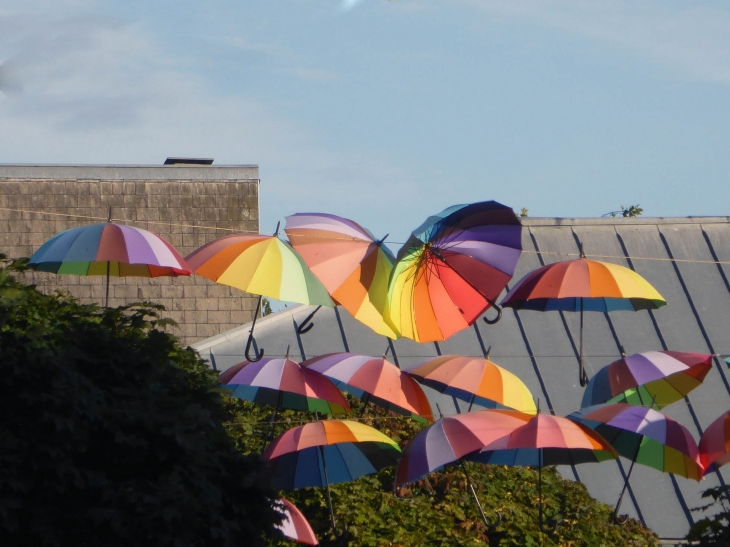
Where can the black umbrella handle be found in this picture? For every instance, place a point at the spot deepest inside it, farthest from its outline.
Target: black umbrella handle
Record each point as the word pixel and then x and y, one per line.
pixel 499 313
pixel 256 357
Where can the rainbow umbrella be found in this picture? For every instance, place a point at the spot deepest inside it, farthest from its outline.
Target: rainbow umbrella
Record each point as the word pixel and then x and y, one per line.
pixel 109 249
pixel 330 452
pixel 450 439
pixel 715 444
pixel 652 378
pixel 546 440
pixel 262 265
pixel 452 268
pixel 583 285
pixel 283 383
pixel 374 380
pixel 644 436
pixel 353 266
pixel 476 380
pixel 295 525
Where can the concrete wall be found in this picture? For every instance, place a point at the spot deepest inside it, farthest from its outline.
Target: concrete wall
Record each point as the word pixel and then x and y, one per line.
pixel 186 205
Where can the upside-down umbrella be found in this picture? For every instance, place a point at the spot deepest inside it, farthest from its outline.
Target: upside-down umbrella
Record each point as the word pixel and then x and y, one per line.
pixel 110 249
pixel 450 439
pixel 374 380
pixel 328 452
pixel 262 265
pixel 452 268
pixel 715 444
pixel 295 525
pixel 353 266
pixel 546 440
pixel 583 285
pixel 644 436
pixel 476 380
pixel 656 378
pixel 283 383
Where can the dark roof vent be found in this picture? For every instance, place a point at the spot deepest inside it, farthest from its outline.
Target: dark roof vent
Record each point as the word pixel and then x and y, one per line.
pixel 189 161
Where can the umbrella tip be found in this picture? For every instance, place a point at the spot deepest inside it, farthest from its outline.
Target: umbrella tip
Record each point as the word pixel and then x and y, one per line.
pixel 276 233
pixel 288 347
pixel 489 350
pixel 109 219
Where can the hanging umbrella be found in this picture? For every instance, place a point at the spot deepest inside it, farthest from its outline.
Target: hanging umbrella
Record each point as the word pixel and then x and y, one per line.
pixel 475 380
pixel 452 268
pixel 283 383
pixel 450 439
pixel 715 444
pixel 583 285
pixel 329 452
pixel 663 377
pixel 644 436
pixel 109 249
pixel 546 440
pixel 262 265
pixel 295 525
pixel 374 380
pixel 353 266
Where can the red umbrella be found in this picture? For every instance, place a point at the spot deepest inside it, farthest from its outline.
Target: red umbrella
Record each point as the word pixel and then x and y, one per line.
pixel 715 444
pixel 374 380
pixel 295 525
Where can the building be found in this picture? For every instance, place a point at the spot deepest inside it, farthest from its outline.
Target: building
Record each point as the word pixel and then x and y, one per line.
pixel 686 259
pixel 186 201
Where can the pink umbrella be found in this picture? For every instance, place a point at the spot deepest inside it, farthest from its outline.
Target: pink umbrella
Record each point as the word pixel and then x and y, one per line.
pixel 295 525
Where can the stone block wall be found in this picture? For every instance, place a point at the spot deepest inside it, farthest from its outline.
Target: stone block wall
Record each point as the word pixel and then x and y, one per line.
pixel 186 205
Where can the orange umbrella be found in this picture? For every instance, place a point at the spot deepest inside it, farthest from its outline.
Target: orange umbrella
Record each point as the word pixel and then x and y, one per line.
pixel 583 285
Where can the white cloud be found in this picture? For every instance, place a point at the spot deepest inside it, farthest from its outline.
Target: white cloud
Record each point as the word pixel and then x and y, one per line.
pixel 688 36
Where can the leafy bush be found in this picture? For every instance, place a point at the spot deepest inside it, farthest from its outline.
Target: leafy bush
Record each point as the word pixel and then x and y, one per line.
pixel 113 435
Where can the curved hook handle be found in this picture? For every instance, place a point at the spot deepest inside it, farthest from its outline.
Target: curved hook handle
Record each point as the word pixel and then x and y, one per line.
pixel 258 356
pixel 619 519
pixel 497 522
pixel 583 377
pixel 496 319
pixel 307 325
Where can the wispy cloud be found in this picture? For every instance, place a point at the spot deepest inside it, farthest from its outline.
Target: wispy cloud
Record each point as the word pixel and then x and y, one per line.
pixel 689 37
pixel 347 5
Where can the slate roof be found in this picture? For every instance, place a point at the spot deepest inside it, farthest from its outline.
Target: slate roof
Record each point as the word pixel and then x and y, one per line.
pixel 686 259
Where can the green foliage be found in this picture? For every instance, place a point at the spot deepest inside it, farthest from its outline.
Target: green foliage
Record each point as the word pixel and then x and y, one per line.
pixel 113 435
pixel 626 212
pixel 438 510
pixel 265 307
pixel 714 529
pixel 523 212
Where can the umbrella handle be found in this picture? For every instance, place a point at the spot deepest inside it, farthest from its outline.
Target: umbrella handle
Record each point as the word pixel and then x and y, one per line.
pixel 305 327
pixel 583 377
pixel 260 355
pixel 499 314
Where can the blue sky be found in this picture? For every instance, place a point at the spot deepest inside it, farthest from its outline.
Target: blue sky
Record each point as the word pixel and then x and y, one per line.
pixel 386 111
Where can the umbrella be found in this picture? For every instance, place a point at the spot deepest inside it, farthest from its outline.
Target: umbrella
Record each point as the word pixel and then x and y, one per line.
pixel 295 525
pixel 715 444
pixel 374 380
pixel 663 377
pixel 546 440
pixel 583 285
pixel 452 268
pixel 476 380
pixel 329 452
pixel 283 383
pixel 450 439
pixel 109 249
pixel 644 436
pixel 350 263
pixel 262 265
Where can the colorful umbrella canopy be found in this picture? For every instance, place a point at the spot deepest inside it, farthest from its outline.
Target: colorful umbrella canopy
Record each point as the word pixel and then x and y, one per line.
pixel 476 380
pixel 645 436
pixel 583 285
pixel 283 383
pixel 715 444
pixel 259 264
pixel 328 452
pixel 109 249
pixel 546 440
pixel 453 437
pixel 295 525
pixel 652 378
pixel 350 263
pixel 452 268
pixel 374 380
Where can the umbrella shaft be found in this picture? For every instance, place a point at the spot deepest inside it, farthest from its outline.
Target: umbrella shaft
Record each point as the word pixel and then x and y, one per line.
pixel 329 494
